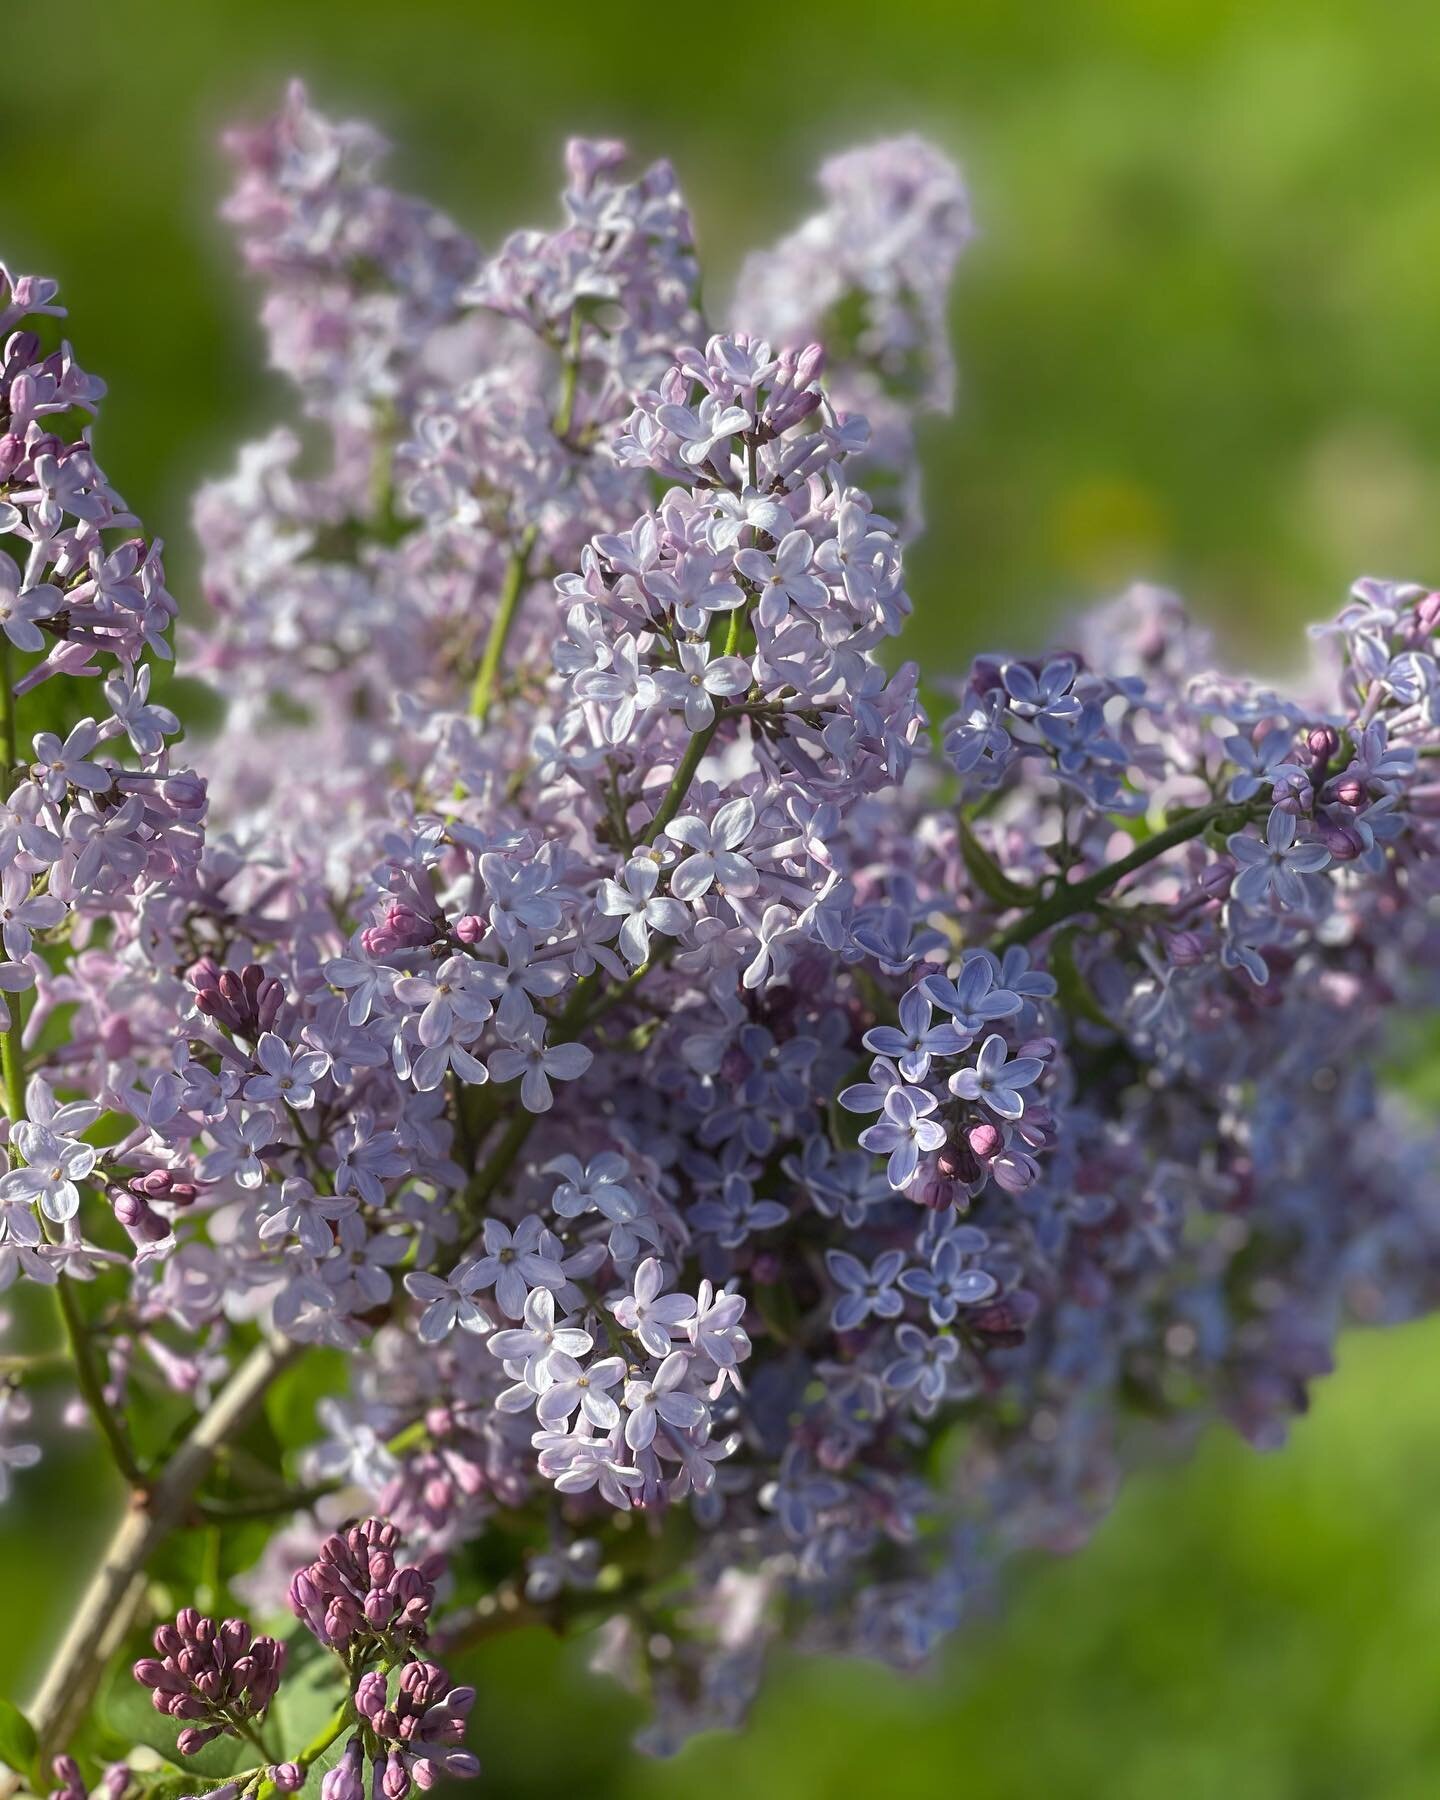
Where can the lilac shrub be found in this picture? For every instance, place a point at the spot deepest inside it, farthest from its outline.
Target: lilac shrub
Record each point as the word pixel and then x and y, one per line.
pixel 590 1080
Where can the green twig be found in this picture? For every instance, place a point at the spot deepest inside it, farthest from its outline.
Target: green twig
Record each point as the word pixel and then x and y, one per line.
pixel 1081 896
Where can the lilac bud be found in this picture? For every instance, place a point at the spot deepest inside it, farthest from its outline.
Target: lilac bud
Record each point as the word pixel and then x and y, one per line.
pixel 346 1780
pixel 1349 791
pixel 140 1219
pixel 470 928
pixel 395 1783
pixel 288 1777
pixel 1344 842
pixel 1186 948
pixel 1292 793
pixel 985 1140
pixel 1323 742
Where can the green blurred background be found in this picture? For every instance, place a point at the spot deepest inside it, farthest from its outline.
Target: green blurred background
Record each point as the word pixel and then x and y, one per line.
pixel 1200 340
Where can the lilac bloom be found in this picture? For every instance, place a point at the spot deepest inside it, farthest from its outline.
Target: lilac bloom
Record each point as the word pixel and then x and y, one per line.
pixel 59 766
pixel 1048 693
pixel 447 1303
pixel 651 1313
pixel 948 1284
pixel 905 1132
pixel 700 678
pixel 21 607
pixel 576 1463
pixel 21 913
pixel 298 1211
pixel 916 1040
pixel 973 999
pixel 865 1291
pixel 539 1340
pixel 784 578
pixel 648 1402
pixel 633 899
pixel 238 1143
pixel 799 1497
pixel 714 851
pixel 715 1329
pixel 285 1075
pixel 701 430
pixel 146 726
pixel 512 1265
pixel 572 1386
pixel 698 587
pixel 537 1066
pixel 1262 762
pixel 996 1083
pixel 626 687
pixel 594 1186
pixel 923 1363
pixel 1275 864
pixel 56 1164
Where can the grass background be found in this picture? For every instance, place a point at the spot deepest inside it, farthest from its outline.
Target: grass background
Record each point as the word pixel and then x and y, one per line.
pixel 1200 341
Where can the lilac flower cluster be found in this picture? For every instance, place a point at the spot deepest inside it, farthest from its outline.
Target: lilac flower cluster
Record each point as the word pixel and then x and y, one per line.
pixel 354 1590
pixel 603 1015
pixel 219 1674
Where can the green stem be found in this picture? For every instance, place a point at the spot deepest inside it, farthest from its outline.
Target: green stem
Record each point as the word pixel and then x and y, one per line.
pixel 570 378
pixel 483 692
pixel 92 1386
pixel 12 1054
pixel 100 1621
pixel 1080 896
pixel 323 1739
pixel 263 1506
pixel 695 750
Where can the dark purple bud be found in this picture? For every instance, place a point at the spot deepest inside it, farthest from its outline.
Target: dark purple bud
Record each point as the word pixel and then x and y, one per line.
pixel 1186 948
pixel 1292 793
pixel 1344 842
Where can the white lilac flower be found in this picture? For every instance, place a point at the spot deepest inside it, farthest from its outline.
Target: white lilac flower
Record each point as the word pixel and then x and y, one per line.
pixel 536 1343
pixel 572 1385
pixel 662 1398
pixel 651 1313
pixel 56 1165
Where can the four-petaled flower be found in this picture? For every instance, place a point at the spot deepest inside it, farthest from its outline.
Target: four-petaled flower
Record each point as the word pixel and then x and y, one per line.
pixel 996 1083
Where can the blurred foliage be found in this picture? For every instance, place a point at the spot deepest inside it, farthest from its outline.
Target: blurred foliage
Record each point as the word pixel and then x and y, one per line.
pixel 1200 341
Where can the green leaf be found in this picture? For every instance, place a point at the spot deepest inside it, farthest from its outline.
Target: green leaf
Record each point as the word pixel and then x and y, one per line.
pixel 308 1699
pixel 179 1786
pixel 18 1743
pixel 128 1712
pixel 291 1400
pixel 987 874
pixel 1075 993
